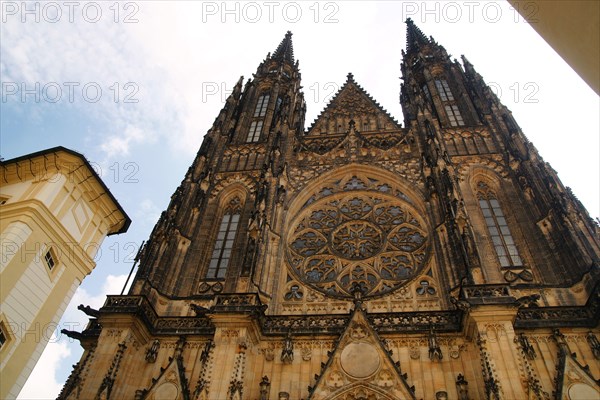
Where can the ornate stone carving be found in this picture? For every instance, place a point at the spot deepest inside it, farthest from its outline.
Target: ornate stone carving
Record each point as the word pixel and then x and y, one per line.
pixel 371 240
pixel 415 352
pixel 594 344
pixel 462 387
pixel 236 384
pixel 526 346
pixel 265 387
pixel 152 351
pixel 435 352
pixel 287 353
pixel 269 352
pixel 306 353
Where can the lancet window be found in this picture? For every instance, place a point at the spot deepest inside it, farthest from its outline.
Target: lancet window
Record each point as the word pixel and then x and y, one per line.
pixel 502 239
pixel 224 241
pixel 452 111
pixel 256 125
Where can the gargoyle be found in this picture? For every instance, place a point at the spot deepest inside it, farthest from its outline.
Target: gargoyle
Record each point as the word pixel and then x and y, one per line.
pixel 89 311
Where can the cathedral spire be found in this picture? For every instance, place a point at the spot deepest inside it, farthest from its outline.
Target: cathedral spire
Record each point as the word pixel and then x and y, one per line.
pixel 415 38
pixel 285 50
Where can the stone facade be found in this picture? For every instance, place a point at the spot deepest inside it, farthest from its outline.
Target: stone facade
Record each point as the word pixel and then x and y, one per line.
pixel 358 258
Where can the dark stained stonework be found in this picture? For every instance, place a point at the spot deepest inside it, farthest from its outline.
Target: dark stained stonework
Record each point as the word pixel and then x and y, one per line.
pixel 443 254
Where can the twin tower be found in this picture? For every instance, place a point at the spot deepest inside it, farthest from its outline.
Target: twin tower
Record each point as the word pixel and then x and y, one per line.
pixel 359 258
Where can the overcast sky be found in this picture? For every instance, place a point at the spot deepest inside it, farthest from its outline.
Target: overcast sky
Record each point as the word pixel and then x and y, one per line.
pixel 135 85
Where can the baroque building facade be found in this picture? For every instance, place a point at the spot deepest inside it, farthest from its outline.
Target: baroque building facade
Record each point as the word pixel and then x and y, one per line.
pixel 358 258
pixel 55 212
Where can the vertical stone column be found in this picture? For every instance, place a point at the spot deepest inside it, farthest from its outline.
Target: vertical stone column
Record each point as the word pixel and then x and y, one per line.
pixel 491 327
pixel 234 334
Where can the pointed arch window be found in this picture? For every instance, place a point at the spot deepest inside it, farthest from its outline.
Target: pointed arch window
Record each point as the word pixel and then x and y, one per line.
pixel 450 106
pixel 502 239
pixel 261 106
pixel 444 90
pixel 454 115
pixel 255 130
pixel 256 125
pixel 221 255
pixel 427 92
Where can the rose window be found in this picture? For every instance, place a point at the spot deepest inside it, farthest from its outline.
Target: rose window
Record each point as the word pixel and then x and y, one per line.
pixel 368 240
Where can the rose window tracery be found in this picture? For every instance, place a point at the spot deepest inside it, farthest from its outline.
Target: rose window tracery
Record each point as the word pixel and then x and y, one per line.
pixel 364 239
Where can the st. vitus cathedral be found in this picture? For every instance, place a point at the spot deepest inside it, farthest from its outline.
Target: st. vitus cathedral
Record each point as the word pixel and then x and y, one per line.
pixel 358 258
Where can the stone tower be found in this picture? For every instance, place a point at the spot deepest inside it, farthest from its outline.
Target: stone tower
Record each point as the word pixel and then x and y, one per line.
pixel 358 258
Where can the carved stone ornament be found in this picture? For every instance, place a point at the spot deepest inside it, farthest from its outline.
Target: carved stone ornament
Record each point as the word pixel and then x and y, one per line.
pixel 306 353
pixel 415 353
pixel 454 351
pixel 368 239
pixel 287 353
pixel 462 387
pixel 269 353
pixel 435 352
pixel 594 344
pixel 152 351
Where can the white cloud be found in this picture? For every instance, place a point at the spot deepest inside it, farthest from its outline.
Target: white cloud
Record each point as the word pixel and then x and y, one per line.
pixel 100 70
pixel 116 145
pixel 43 382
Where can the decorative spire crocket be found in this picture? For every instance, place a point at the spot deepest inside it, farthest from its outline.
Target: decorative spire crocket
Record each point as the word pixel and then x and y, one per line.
pixel 415 38
pixel 285 50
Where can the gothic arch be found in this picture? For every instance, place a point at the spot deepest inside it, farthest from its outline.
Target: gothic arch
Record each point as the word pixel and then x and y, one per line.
pixel 231 183
pixel 363 391
pixel 357 227
pixel 229 193
pixel 500 237
pixel 481 173
pixel 415 197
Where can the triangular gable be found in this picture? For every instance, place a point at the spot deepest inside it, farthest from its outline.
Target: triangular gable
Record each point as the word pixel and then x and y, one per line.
pixel 574 381
pixel 352 102
pixel 361 367
pixel 172 382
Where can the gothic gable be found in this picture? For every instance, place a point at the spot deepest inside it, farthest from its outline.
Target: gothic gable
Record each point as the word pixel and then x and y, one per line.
pixel 172 382
pixel 352 103
pixel 574 381
pixel 361 367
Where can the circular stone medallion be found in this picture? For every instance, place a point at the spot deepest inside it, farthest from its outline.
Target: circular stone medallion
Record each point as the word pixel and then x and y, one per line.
pixel 360 360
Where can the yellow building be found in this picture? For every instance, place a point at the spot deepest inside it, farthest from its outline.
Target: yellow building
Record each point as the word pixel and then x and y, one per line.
pixel 55 211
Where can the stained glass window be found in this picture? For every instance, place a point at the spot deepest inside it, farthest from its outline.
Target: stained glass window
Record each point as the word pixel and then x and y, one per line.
pixel 495 220
pixel 261 106
pixel 221 254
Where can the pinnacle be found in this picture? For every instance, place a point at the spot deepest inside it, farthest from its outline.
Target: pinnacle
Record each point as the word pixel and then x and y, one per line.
pixel 285 50
pixel 415 38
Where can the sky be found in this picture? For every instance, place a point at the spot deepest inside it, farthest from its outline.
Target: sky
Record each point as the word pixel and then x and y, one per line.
pixel 134 86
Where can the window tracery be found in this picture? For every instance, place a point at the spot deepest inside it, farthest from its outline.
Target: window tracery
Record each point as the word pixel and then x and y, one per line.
pixel 366 238
pixel 500 234
pixel 256 125
pixel 224 242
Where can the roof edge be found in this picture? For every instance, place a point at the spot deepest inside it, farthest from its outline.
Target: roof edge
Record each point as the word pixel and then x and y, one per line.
pixel 58 149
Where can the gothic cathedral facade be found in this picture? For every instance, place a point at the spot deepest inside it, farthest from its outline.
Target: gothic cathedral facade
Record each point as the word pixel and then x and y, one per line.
pixel 358 258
